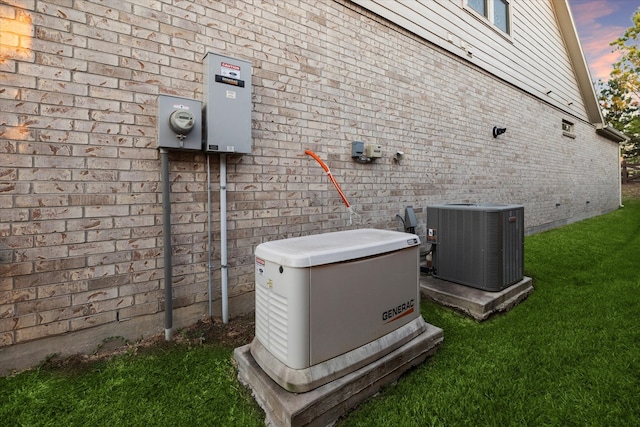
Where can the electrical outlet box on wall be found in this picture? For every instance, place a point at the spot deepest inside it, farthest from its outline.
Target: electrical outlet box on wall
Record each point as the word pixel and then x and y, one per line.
pixel 373 151
pixel 357 149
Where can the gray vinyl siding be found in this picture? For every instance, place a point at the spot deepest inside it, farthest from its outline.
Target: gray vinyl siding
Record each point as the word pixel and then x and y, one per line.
pixel 533 57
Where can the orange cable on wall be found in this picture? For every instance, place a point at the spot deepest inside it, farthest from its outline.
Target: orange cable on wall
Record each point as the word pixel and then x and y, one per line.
pixel 333 180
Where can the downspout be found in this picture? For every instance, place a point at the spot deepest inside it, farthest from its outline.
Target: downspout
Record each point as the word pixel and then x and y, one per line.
pixel 223 236
pixel 620 178
pixel 166 230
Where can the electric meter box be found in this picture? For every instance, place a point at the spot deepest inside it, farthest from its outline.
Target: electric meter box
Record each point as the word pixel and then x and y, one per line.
pixel 179 123
pixel 321 296
pixel 227 104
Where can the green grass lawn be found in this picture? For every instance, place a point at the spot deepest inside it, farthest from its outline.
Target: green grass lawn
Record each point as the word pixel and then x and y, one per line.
pixel 569 355
pixel 172 386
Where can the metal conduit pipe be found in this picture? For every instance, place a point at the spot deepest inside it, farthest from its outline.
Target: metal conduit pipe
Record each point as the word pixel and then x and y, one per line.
pixel 166 230
pixel 223 236
pixel 209 286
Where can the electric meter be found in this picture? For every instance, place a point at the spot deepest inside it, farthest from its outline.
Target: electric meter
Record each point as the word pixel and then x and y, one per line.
pixel 181 121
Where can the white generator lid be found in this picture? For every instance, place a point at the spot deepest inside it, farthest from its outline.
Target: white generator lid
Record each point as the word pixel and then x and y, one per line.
pixel 327 248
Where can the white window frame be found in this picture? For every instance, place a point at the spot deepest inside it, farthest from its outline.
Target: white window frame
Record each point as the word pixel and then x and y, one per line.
pixel 488 18
pixel 568 129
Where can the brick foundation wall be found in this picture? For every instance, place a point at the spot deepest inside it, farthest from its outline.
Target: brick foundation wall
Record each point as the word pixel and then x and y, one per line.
pixel 80 192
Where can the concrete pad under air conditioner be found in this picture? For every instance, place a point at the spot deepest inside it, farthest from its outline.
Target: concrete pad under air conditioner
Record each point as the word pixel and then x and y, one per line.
pixel 323 405
pixel 477 303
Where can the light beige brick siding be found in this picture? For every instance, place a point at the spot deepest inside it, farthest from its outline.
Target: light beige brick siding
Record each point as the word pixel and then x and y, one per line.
pixel 80 185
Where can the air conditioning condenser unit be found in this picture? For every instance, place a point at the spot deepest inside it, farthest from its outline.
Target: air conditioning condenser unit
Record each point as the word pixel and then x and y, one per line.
pixel 478 245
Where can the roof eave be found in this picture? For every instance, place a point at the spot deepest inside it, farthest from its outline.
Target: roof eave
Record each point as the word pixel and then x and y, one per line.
pixel 611 133
pixel 570 35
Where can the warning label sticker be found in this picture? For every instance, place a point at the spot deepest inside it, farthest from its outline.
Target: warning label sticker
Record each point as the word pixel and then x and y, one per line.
pixel 229 70
pixel 432 235
pixel 260 266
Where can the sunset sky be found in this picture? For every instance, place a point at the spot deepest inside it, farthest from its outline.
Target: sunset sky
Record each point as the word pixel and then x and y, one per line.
pixel 599 22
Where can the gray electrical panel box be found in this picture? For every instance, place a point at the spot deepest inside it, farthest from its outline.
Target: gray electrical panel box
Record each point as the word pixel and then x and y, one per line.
pixel 179 123
pixel 481 246
pixel 227 104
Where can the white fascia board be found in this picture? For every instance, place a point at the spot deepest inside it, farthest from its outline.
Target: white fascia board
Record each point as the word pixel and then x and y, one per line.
pixel 611 133
pixel 570 35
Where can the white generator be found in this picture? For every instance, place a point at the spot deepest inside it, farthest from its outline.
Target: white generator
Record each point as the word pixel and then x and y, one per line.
pixel 320 296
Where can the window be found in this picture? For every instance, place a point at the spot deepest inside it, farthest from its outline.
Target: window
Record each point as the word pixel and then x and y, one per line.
pixel 479 6
pixel 501 15
pixel 495 11
pixel 567 129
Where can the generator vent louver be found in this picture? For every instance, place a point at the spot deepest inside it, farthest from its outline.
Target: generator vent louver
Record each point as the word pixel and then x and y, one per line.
pixel 271 321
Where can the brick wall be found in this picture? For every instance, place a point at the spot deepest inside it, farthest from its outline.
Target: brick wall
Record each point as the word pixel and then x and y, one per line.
pixel 80 197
